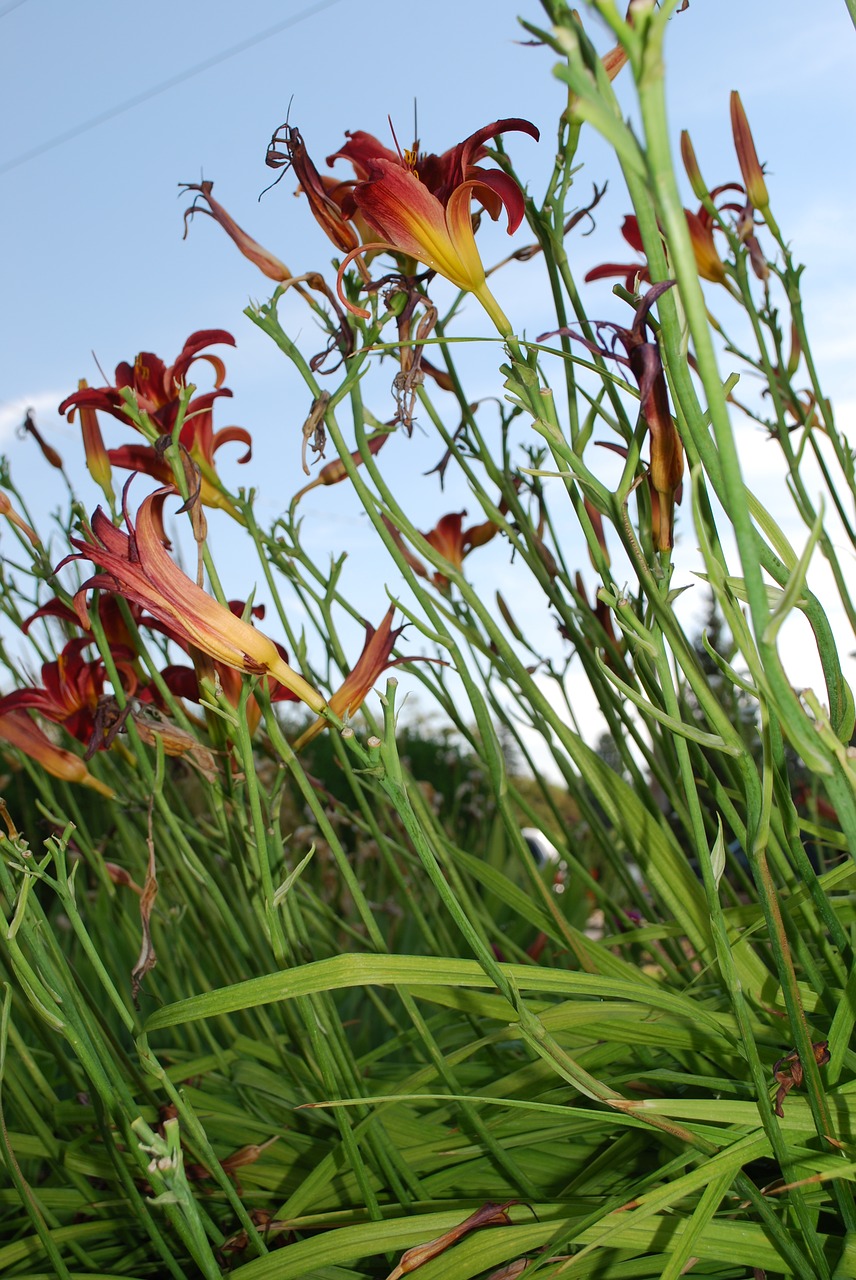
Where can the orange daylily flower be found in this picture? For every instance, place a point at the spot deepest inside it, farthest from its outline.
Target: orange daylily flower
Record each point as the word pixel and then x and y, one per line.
pixel 372 662
pixel 666 468
pixel 136 565
pixel 184 681
pixel 19 730
pixel 451 540
pixel 420 207
pixel 157 389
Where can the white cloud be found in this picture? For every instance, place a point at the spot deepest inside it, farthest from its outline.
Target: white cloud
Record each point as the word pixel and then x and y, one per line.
pixel 42 403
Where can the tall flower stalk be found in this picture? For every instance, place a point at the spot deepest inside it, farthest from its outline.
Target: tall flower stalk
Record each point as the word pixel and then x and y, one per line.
pixel 310 958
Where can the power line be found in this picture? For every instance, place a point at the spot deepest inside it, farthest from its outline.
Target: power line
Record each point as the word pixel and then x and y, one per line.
pixel 153 92
pixel 13 4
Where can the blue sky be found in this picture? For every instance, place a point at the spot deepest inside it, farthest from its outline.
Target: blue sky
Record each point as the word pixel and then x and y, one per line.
pixel 93 254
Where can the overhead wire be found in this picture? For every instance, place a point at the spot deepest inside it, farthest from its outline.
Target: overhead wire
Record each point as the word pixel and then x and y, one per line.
pixel 153 91
pixel 13 4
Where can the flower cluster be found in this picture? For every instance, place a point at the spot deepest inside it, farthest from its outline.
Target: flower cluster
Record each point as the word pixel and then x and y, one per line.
pixel 422 211
pixel 137 580
pixel 151 396
pixel 415 206
pixel 710 216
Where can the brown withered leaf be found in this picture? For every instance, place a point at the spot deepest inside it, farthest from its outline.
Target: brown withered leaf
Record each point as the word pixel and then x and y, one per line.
pixel 245 1155
pixel 313 432
pixel 510 1271
pixel 489 1215
pixel 121 876
pixel 147 959
pixel 788 1072
pixel 267 1224
pixel 151 725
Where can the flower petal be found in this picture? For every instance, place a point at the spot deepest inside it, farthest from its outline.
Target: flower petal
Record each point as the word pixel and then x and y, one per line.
pixel 361 148
pixel 229 434
pixel 137 566
pixel 497 190
pixel 20 731
pixel 458 159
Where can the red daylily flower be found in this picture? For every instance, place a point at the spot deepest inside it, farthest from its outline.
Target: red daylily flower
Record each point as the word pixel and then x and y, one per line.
pixel 666 468
pixel 451 540
pixel 372 662
pixel 701 227
pixel 113 624
pixel 19 730
pixel 184 681
pixel 442 174
pixel 136 565
pixel 71 688
pixel 632 271
pixel 157 390
pixel 420 206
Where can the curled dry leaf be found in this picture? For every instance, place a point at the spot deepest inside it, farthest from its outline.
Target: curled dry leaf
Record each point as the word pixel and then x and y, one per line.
pixel 788 1071
pixel 489 1215
pixel 147 959
pixel 511 1270
pixel 151 725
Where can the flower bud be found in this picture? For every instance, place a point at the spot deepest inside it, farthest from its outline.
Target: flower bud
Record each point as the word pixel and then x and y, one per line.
pixel 97 460
pixel 747 156
pixel 335 472
pixel 688 155
pixel 7 510
pixel 28 427
pixel 708 262
pixel 19 730
pixel 508 617
pixel 796 351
